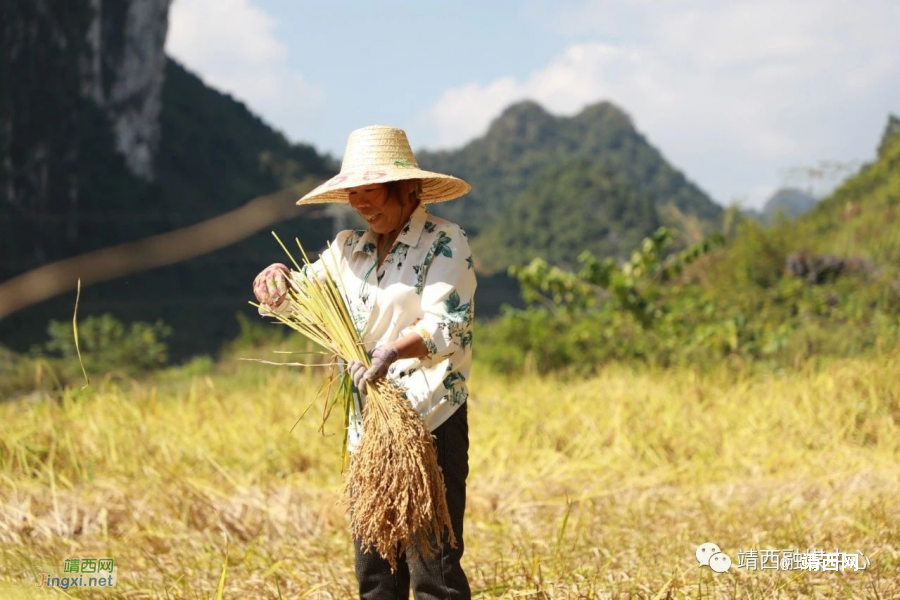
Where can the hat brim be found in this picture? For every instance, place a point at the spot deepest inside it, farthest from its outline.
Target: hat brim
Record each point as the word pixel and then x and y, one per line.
pixel 436 187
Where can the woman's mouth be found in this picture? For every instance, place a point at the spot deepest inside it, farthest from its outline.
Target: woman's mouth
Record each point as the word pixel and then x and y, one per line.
pixel 373 218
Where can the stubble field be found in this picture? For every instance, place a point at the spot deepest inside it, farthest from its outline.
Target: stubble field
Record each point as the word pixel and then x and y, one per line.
pixel 592 488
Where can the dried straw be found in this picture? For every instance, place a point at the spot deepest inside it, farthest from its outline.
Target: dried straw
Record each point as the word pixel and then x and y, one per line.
pixel 394 489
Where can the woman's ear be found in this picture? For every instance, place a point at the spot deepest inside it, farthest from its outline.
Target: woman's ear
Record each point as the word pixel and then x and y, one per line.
pixel 405 192
pixel 413 190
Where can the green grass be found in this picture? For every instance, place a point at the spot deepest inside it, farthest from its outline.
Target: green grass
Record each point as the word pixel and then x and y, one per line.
pixel 578 488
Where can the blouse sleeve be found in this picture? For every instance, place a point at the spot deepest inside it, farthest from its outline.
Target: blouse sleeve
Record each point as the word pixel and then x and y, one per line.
pixel 448 296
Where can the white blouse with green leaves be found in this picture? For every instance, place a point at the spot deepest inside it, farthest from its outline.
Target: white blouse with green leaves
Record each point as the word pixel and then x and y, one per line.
pixel 426 284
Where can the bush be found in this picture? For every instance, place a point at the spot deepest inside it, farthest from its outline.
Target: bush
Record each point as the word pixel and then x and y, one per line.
pixel 735 304
pixel 107 344
pixel 256 333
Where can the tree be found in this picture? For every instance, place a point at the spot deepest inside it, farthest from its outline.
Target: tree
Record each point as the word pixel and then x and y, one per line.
pixel 892 129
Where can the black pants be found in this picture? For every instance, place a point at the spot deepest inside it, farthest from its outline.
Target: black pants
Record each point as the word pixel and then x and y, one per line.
pixel 441 577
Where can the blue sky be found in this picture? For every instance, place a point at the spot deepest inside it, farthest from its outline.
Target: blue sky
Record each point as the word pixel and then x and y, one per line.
pixel 734 93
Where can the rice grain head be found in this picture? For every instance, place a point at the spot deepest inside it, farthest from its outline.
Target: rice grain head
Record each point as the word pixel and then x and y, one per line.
pixel 395 490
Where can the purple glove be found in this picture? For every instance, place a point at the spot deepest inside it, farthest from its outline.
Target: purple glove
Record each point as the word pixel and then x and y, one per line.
pixel 382 358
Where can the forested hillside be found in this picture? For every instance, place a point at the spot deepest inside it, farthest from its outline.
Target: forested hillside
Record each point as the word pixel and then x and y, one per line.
pixel 214 155
pixel 526 146
pixel 574 206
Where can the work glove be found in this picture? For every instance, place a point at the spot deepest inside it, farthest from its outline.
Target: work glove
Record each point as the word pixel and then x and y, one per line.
pixel 382 358
pixel 271 286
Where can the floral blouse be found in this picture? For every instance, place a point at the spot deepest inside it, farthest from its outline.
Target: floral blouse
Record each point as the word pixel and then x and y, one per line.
pixel 426 284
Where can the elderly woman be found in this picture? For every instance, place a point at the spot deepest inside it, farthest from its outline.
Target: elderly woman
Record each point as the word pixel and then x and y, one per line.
pixel 410 282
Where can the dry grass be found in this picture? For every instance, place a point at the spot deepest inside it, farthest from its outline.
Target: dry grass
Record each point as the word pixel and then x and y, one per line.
pixel 599 488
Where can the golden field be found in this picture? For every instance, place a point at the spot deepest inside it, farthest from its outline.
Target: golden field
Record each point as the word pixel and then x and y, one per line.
pixel 579 488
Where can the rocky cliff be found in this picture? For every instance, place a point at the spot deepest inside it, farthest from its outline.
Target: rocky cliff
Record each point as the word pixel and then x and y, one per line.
pixel 79 112
pixel 123 73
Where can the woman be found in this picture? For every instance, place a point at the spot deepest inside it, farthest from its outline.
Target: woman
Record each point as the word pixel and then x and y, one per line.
pixel 410 283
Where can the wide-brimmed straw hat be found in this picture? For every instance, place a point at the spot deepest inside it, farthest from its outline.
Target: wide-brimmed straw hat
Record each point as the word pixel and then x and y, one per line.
pixel 379 154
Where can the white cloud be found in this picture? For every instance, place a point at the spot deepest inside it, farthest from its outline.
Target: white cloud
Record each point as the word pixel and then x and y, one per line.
pixel 732 92
pixel 233 45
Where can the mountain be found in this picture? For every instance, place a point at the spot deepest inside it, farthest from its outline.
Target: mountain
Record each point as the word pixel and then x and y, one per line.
pixel 215 154
pixel 573 206
pixel 790 201
pixel 525 141
pixel 105 140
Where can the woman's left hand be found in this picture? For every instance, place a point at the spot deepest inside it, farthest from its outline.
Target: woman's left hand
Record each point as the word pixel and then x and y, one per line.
pixel 382 358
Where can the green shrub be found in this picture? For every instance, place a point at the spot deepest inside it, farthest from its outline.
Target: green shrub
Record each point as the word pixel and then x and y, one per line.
pixel 107 344
pixel 256 333
pixel 735 304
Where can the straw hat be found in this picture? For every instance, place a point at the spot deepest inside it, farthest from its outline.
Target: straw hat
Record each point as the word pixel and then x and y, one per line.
pixel 378 154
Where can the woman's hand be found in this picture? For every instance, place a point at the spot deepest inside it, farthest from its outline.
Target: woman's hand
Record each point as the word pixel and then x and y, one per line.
pixel 382 358
pixel 270 286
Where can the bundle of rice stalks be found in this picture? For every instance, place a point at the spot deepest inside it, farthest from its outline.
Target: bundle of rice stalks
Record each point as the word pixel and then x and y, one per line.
pixel 394 489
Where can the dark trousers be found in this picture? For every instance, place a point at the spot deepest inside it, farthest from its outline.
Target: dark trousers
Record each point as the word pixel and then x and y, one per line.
pixel 441 577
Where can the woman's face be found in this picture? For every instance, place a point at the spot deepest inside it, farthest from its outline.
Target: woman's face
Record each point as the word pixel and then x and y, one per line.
pixel 383 211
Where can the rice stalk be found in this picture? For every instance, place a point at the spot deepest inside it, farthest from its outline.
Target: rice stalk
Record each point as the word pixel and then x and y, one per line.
pixel 87 381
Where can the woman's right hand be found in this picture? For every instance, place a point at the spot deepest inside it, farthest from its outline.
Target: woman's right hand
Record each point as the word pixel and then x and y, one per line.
pixel 270 286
